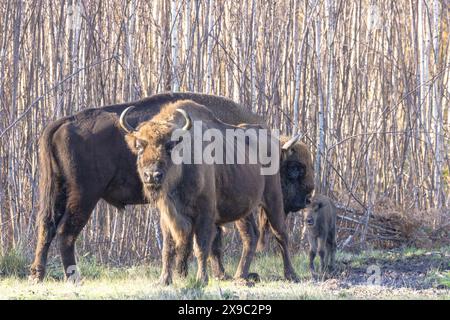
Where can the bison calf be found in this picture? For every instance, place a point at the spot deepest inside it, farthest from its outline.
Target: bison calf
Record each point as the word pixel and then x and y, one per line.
pixel 320 222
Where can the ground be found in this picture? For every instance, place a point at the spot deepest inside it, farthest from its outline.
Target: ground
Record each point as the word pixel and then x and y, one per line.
pixel 396 274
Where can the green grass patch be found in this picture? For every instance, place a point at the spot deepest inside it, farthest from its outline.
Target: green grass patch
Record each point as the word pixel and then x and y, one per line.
pixel 100 281
pixel 13 264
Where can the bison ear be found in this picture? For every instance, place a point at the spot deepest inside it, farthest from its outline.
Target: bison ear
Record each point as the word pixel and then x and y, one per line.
pixel 285 153
pixel 131 141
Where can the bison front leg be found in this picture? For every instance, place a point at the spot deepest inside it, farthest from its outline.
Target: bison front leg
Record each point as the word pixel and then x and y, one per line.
pixel 204 232
pixel 168 254
pixel 183 251
pixel 248 233
pixel 277 223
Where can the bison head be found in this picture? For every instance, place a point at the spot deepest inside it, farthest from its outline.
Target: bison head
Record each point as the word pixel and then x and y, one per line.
pixel 313 212
pixel 152 144
pixel 297 174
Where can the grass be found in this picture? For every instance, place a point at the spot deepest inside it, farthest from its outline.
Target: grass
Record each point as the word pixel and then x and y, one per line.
pixel 141 281
pixel 13 263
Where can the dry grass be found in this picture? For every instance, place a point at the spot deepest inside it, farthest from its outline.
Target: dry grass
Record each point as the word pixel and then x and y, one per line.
pixel 140 282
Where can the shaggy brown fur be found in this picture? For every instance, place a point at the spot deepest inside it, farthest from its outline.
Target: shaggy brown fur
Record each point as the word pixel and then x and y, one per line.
pixel 194 198
pixel 320 222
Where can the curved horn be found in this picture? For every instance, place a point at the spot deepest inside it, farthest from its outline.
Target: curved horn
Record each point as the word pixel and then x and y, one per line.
pixel 188 123
pixel 124 123
pixel 291 142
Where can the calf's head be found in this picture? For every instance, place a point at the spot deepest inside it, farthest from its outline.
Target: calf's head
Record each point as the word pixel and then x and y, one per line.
pixel 152 143
pixel 312 213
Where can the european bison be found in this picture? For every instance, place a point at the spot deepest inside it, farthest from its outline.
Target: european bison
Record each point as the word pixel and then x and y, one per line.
pixel 83 158
pixel 195 196
pixel 320 222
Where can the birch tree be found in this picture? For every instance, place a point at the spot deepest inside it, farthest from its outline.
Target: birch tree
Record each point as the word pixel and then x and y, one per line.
pixel 209 39
pixel 174 44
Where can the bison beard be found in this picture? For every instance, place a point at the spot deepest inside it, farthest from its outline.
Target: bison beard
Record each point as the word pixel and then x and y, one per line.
pixel 151 194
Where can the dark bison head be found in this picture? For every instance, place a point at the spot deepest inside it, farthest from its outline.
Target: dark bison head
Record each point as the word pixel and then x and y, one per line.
pixel 297 174
pixel 152 143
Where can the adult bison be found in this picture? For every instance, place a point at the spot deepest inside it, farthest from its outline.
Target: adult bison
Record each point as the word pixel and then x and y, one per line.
pixel 194 197
pixel 84 158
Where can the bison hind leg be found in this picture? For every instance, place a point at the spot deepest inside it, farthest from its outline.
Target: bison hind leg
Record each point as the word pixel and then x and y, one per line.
pixel 204 233
pixel 263 225
pixel 249 235
pixel 216 257
pixel 46 233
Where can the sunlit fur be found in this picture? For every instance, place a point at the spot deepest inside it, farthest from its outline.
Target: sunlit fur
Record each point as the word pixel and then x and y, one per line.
pixel 195 198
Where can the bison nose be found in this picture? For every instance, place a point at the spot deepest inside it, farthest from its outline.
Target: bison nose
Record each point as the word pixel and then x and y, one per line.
pixel 157 176
pixel 147 176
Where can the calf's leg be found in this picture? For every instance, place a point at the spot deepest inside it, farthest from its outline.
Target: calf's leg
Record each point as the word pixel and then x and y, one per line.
pixel 312 254
pixel 322 255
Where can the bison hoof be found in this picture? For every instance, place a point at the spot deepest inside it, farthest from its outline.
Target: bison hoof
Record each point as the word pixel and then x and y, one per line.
pixel 183 273
pixel 165 280
pixel 202 280
pixel 243 282
pixel 253 276
pixel 260 247
pixel 34 279
pixel 292 277
pixel 222 277
pixel 37 275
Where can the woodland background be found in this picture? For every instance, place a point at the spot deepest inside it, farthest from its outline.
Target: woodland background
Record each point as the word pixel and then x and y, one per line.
pixel 367 81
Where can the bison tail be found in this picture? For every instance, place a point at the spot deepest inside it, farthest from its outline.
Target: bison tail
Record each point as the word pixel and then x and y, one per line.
pixel 50 183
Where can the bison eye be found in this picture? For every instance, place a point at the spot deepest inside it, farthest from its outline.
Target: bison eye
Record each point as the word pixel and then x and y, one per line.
pixel 140 146
pixel 169 146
